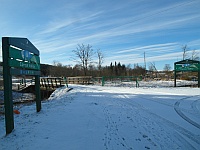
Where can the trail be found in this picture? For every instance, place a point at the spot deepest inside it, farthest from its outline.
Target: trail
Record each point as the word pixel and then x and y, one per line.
pixel 106 118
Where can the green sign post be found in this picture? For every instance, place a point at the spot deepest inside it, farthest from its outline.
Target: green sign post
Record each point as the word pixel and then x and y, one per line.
pixel 20 57
pixel 187 66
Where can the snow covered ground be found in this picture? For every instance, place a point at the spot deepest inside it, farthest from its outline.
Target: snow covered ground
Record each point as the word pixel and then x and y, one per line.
pixel 109 118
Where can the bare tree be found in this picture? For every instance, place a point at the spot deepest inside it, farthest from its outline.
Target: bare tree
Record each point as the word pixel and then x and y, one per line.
pixel 57 63
pixel 84 53
pixel 57 69
pixel 152 68
pixel 195 55
pixel 100 60
pixel 184 49
pixel 167 68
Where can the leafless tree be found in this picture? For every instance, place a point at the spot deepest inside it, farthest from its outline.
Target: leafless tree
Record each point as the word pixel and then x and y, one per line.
pixel 100 60
pixel 152 68
pixel 195 55
pixel 57 63
pixel 185 50
pixel 167 68
pixel 56 69
pixel 84 53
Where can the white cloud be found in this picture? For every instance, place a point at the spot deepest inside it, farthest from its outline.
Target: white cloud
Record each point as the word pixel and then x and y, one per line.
pixel 194 43
pixel 140 59
pixel 122 30
pixel 56 25
pixel 150 47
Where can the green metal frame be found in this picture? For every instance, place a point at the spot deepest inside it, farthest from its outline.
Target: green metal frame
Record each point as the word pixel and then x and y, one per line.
pixel 20 57
pixel 132 78
pixel 187 66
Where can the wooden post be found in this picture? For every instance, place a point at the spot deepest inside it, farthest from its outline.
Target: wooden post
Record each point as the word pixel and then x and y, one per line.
pixel 51 83
pixel 66 81
pixel 56 83
pixel 60 80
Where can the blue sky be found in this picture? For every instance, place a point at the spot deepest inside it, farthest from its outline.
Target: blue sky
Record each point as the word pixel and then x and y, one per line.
pixel 122 29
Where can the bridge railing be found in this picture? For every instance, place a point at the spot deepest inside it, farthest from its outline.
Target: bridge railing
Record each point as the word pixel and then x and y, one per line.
pixel 51 82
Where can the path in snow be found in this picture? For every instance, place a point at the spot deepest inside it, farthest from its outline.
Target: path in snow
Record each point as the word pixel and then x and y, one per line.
pixel 110 118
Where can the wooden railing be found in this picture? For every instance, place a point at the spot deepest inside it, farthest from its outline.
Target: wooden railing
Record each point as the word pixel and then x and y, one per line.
pixel 52 82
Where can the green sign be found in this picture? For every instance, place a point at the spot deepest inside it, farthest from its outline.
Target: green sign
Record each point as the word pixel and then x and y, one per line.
pixel 187 67
pixel 23 59
pixel 20 57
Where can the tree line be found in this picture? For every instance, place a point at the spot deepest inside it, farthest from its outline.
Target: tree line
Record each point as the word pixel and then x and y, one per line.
pixel 87 67
pixel 114 69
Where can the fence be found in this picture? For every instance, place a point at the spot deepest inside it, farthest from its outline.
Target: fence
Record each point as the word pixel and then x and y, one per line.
pixel 80 80
pixel 121 80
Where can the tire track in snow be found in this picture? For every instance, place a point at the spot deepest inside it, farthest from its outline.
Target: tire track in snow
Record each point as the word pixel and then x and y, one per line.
pixel 178 109
pixel 182 115
pixel 188 134
pixel 194 106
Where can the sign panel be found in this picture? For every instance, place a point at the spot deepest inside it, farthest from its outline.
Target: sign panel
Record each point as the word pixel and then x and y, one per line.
pixel 23 59
pixel 23 43
pixel 22 64
pixel 23 55
pixel 187 67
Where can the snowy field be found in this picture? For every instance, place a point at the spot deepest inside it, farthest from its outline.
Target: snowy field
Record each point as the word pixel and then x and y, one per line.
pixel 109 118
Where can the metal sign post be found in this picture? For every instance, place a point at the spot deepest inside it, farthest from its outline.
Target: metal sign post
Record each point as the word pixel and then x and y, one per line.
pixel 187 66
pixel 20 57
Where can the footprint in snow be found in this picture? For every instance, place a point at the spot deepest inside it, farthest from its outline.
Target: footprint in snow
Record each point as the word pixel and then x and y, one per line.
pixel 147 147
pixel 145 136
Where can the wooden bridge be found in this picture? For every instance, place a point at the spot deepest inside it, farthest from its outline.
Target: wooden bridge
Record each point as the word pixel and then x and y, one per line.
pixel 49 84
pixel 45 83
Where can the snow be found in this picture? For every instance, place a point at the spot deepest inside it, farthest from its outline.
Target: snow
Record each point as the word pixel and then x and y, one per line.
pixel 109 118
